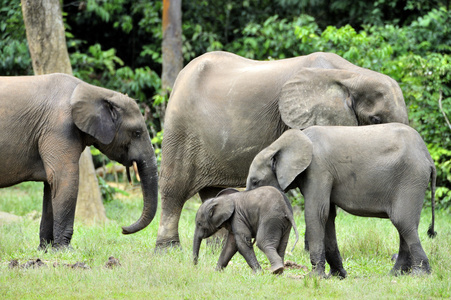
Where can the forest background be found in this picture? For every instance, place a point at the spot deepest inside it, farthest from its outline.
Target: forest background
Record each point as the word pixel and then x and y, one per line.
pixel 117 44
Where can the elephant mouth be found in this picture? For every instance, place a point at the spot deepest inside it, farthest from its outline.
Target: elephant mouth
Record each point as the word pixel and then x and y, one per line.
pixel 135 169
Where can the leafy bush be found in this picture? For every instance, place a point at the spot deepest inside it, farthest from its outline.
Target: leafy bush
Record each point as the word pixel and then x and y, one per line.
pixel 14 56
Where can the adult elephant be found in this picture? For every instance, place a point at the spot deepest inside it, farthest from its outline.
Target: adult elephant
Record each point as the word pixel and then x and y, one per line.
pixel 46 123
pixel 225 108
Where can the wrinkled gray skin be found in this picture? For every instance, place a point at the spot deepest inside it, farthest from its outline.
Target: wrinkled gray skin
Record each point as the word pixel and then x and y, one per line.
pixel 370 171
pixel 264 214
pixel 46 123
pixel 224 109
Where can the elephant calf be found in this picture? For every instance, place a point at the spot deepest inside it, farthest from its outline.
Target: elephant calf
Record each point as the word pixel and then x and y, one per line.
pixel 371 171
pixel 264 214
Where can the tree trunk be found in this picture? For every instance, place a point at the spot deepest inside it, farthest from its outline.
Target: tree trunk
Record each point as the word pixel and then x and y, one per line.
pixel 171 46
pixel 48 50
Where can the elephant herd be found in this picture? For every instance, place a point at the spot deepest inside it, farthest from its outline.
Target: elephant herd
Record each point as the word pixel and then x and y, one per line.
pixel 233 122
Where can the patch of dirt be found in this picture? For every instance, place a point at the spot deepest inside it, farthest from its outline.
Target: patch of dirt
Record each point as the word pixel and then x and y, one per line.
pixel 14 263
pixel 33 263
pixel 112 263
pixel 37 263
pixel 292 265
pixel 77 265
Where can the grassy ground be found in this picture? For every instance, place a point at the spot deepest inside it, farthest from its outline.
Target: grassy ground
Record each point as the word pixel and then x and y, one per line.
pixel 366 245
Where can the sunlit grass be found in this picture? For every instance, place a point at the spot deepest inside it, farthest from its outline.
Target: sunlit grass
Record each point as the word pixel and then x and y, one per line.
pixel 366 246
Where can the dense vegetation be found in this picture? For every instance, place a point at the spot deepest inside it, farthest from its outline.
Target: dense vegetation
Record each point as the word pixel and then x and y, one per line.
pixel 117 44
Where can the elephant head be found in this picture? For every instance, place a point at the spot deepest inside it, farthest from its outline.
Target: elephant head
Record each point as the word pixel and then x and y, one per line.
pixel 113 123
pixel 332 91
pixel 210 217
pixel 281 162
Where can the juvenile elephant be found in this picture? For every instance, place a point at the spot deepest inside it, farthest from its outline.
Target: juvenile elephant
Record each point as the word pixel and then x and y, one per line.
pixel 225 108
pixel 264 214
pixel 46 123
pixel 370 171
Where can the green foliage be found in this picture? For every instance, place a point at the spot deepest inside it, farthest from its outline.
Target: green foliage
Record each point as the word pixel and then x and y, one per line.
pixel 14 56
pixel 95 65
pixel 108 191
pixel 136 21
pixel 442 159
pixel 274 38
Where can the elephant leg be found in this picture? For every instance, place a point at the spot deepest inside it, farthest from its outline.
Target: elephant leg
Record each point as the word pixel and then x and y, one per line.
pixel 46 228
pixel 283 244
pixel 406 222
pixel 175 190
pixel 64 188
pixel 316 186
pixel 218 239
pixel 245 247
pixel 419 260
pixel 403 263
pixel 229 250
pixel 333 256
pixel 168 235
pixel 316 215
pixel 62 171
pixel 272 241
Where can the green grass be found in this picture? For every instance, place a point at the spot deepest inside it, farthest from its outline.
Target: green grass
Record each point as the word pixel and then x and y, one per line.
pixel 366 246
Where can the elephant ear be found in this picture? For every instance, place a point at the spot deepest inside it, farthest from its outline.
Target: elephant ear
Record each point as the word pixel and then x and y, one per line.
pixel 93 113
pixel 227 191
pixel 221 211
pixel 293 152
pixel 318 97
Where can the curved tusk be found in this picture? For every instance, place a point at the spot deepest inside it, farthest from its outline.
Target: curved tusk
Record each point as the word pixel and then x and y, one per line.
pixel 135 168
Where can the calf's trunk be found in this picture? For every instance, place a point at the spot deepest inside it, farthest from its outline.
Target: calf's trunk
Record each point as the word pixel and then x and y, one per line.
pixel 196 247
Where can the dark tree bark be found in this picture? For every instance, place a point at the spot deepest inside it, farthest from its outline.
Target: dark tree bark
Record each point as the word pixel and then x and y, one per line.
pixel 172 45
pixel 48 50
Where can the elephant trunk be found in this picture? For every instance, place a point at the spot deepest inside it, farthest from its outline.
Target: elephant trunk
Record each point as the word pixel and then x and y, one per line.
pixel 196 247
pixel 147 169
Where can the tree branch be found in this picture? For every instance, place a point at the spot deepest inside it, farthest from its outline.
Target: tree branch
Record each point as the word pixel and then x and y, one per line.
pixel 441 109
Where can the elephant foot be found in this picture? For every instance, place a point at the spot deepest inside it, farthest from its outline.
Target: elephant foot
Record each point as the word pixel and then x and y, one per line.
pixel 401 270
pixel 277 270
pixel 44 247
pixel 58 247
pixel 423 269
pixel 318 272
pixel 219 268
pixel 340 273
pixel 164 247
pixel 398 272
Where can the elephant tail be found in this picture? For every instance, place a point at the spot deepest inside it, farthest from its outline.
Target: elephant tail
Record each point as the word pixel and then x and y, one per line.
pixel 290 216
pixel 295 231
pixel 431 232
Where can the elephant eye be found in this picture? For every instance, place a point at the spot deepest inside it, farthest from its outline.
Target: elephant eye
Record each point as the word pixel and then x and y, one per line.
pixel 137 134
pixel 375 120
